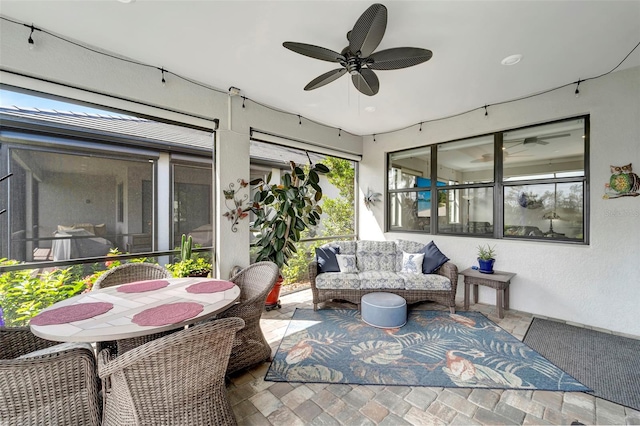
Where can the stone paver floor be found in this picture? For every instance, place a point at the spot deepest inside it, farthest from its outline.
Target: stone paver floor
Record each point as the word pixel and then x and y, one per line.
pixel 257 402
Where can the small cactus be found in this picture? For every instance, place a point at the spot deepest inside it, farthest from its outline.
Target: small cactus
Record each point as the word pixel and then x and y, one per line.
pixel 185 247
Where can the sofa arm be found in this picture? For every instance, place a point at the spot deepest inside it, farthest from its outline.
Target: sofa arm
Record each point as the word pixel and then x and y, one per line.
pixel 313 273
pixel 449 270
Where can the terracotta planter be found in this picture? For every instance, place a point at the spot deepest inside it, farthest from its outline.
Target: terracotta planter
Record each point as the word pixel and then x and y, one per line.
pixel 272 299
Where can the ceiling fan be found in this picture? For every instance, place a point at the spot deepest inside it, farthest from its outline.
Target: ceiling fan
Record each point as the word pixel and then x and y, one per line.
pixel 505 154
pixel 541 140
pixel 358 58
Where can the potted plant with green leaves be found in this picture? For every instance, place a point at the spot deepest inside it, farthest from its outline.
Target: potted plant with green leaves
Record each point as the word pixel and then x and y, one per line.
pixel 282 211
pixel 189 265
pixel 486 258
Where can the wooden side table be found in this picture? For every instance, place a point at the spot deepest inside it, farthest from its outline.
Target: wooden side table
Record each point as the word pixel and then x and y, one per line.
pixel 499 280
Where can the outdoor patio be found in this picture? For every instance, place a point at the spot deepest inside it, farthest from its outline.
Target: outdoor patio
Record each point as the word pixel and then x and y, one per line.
pixel 257 402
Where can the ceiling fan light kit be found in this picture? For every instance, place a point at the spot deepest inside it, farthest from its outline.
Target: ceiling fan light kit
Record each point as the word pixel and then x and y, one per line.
pixel 358 58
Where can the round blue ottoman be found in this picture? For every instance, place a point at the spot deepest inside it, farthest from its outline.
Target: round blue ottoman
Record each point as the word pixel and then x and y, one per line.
pixel 384 310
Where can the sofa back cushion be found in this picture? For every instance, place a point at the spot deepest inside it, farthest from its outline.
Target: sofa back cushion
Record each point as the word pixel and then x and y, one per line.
pixel 377 255
pixel 345 247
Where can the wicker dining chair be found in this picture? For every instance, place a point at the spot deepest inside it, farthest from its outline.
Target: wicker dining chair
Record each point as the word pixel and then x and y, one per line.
pixel 131 272
pixel 128 273
pixel 177 379
pixel 46 383
pixel 250 346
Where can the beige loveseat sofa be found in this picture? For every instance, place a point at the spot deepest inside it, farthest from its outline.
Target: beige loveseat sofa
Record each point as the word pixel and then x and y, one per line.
pixel 380 268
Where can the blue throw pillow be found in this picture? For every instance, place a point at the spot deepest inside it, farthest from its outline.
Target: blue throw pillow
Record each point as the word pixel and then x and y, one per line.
pixel 327 261
pixel 433 258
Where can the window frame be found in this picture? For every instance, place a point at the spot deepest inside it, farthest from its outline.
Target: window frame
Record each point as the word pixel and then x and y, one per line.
pixel 499 184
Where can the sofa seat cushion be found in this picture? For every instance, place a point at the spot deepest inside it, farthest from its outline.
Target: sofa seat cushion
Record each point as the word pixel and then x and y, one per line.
pixel 380 280
pixel 376 256
pixel 425 281
pixel 338 280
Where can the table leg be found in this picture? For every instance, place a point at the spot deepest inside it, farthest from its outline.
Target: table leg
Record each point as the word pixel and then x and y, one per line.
pixel 475 293
pixel 506 297
pixel 499 299
pixel 466 295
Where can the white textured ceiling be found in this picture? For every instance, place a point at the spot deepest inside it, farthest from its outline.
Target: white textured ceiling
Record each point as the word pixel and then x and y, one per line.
pixel 239 43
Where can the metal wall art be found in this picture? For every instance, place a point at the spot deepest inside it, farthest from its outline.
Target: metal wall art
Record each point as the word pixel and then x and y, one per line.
pixel 236 211
pixel 371 198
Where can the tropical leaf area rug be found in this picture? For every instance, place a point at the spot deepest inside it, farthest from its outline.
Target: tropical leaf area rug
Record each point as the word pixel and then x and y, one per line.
pixel 607 363
pixel 434 348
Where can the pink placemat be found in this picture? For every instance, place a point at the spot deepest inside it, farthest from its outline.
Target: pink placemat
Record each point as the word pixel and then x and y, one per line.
pixel 170 313
pixel 142 286
pixel 211 286
pixel 71 313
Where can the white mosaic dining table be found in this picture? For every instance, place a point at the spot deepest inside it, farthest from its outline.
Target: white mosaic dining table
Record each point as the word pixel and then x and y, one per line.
pixel 117 324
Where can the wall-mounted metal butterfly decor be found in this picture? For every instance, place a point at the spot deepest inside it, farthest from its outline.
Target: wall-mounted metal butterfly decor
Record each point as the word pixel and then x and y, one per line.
pixel 236 211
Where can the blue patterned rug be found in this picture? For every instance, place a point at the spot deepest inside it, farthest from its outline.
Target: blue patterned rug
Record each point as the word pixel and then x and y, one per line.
pixel 434 348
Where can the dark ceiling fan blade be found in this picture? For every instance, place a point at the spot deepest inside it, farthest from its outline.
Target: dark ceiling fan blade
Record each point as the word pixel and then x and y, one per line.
pixel 399 57
pixel 560 135
pixel 540 140
pixel 312 51
pixel 368 31
pixel 325 78
pixel 366 81
pixel 534 140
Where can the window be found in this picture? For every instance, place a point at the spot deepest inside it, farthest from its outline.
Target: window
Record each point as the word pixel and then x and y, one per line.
pixel 536 178
pixel 410 190
pixel 86 180
pixel 192 208
pixel 68 205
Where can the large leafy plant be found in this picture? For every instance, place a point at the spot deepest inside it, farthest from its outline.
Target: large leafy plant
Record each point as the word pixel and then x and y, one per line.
pixel 283 211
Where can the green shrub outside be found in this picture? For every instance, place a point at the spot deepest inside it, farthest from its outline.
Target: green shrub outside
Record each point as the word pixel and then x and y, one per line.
pixel 24 293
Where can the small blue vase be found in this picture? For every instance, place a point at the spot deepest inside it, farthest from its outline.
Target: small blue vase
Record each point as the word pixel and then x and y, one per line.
pixel 486 266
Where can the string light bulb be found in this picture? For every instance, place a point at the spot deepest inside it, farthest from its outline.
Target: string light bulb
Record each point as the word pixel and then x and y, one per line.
pixel 299 120
pixel 486 113
pixel 577 92
pixel 421 126
pixel 374 137
pixel 164 82
pixel 339 133
pixel 32 43
pixel 244 98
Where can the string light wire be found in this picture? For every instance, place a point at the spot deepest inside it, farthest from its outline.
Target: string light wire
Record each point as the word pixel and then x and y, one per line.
pixel 205 86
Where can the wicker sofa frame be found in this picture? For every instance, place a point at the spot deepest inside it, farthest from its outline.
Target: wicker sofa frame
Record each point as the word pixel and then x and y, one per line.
pixel 443 297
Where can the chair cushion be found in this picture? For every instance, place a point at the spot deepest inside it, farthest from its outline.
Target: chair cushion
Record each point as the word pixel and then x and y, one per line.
pixel 338 280
pixel 57 348
pixel 425 281
pixel 376 256
pixel 326 257
pixel 433 258
pixel 380 280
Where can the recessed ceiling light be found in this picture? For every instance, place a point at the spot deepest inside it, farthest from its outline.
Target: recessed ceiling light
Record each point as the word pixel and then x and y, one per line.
pixel 370 109
pixel 126 1
pixel 511 60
